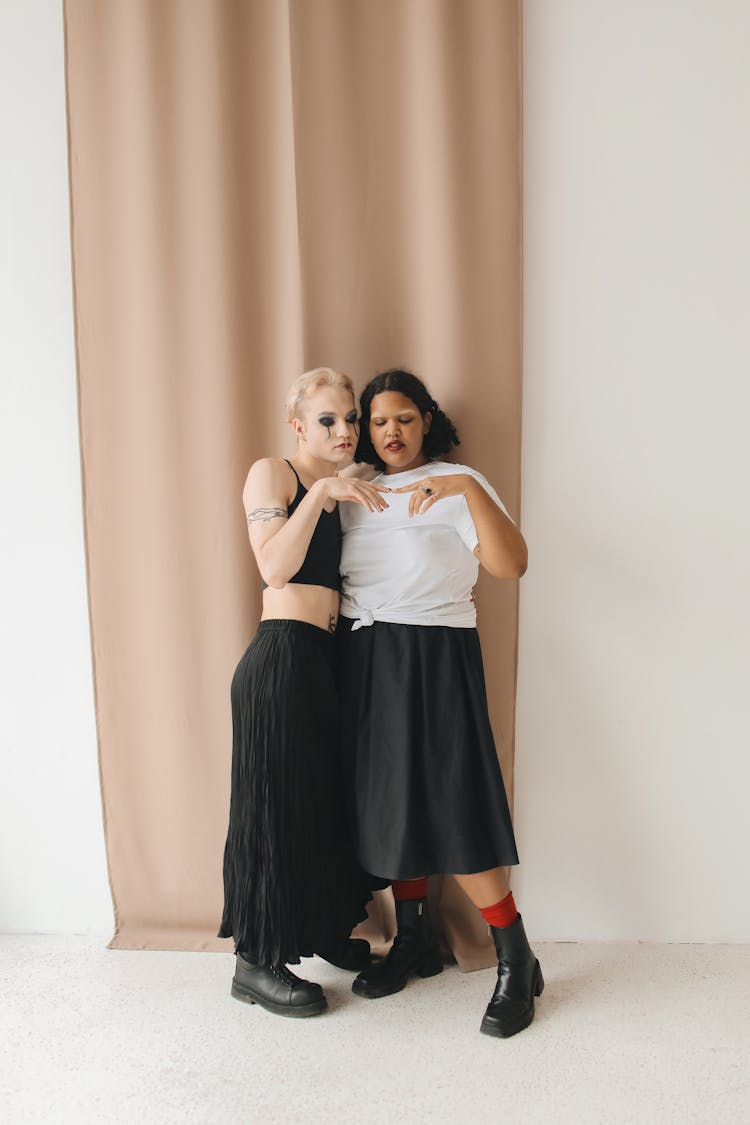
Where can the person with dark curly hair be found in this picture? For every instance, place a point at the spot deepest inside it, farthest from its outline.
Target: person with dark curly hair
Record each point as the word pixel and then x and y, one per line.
pixel 425 791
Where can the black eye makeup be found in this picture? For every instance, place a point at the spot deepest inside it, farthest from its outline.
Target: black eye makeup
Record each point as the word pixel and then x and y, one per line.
pixel 329 420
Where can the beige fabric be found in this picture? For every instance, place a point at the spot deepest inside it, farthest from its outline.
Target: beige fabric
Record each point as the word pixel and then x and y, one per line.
pixel 258 188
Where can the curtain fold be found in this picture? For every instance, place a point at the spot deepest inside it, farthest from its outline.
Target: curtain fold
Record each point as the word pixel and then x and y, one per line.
pixel 258 188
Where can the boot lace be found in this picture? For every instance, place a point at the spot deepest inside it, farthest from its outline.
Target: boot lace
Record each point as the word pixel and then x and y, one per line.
pixel 286 976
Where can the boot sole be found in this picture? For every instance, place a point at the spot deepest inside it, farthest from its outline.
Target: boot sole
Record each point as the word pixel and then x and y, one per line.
pixel 375 992
pixel 298 1011
pixel 491 1026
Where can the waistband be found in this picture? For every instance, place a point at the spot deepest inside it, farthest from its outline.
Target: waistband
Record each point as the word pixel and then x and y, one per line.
pixel 290 625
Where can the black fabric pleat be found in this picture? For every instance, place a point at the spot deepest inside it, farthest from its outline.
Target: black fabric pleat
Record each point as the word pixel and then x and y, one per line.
pixel 425 793
pixel 291 884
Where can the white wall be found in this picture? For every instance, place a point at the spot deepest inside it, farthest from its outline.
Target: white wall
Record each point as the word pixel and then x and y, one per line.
pixel 632 765
pixel 633 755
pixel 52 865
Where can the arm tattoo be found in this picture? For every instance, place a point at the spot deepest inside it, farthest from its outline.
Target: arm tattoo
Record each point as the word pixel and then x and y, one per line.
pixel 266 514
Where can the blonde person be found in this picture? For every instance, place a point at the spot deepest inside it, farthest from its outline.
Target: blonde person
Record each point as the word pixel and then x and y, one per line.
pixel 425 791
pixel 292 887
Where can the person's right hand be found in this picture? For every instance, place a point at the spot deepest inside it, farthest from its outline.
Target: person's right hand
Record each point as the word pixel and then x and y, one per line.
pixel 356 492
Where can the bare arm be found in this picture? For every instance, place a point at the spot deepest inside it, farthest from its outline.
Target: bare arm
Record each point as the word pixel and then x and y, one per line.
pixel 280 541
pixel 501 549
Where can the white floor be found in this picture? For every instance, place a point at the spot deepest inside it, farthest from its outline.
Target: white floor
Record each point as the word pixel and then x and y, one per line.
pixel 624 1033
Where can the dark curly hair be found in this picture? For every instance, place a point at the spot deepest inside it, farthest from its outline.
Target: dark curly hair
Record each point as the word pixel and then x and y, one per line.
pixel 442 434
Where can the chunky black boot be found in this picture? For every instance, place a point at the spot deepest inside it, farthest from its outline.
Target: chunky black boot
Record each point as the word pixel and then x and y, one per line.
pixel 415 951
pixel 352 954
pixel 276 989
pixel 519 980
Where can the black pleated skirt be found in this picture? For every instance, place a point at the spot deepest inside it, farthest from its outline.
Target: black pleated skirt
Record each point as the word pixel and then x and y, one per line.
pixel 424 789
pixel 291 883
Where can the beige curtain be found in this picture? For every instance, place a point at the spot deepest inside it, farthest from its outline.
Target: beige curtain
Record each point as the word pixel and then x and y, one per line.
pixel 259 187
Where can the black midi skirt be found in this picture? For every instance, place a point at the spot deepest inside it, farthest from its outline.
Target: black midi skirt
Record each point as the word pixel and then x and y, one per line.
pixel 425 793
pixel 291 883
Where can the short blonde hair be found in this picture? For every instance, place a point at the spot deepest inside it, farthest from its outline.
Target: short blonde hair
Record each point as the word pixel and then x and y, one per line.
pixel 309 382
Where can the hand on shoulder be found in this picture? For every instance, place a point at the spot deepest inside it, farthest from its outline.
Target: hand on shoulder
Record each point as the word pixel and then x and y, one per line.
pixel 358 472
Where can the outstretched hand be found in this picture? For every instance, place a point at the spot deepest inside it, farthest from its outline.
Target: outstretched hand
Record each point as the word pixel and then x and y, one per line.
pixel 429 490
pixel 357 492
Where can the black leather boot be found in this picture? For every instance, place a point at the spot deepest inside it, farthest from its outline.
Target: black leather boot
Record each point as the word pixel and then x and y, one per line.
pixel 415 952
pixel 352 954
pixel 276 989
pixel 519 980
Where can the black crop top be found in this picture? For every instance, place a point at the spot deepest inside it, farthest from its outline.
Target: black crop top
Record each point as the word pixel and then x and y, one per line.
pixel 321 565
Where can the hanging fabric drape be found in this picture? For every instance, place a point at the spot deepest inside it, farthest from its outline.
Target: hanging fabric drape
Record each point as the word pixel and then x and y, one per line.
pixel 258 188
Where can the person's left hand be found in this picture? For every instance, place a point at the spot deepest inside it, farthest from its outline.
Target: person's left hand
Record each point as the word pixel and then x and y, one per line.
pixel 429 490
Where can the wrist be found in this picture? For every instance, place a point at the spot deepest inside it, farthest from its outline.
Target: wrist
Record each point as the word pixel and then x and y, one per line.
pixel 320 490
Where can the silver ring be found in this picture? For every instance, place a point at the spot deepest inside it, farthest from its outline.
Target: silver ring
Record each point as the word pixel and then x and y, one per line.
pixel 427 491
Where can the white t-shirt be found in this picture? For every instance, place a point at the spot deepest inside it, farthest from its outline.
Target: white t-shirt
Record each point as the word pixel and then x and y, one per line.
pixel 411 571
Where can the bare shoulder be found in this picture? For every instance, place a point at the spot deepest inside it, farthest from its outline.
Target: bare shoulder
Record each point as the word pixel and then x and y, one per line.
pixel 270 482
pixel 269 469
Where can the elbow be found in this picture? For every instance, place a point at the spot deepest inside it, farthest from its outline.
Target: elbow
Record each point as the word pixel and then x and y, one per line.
pixel 521 556
pixel 507 562
pixel 516 566
pixel 513 571
pixel 275 581
pixel 273 578
pixel 269 571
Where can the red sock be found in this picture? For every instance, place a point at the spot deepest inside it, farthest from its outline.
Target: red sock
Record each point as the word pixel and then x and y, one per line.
pixel 406 890
pixel 502 914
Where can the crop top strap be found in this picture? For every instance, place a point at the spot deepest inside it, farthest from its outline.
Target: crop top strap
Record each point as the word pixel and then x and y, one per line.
pixel 291 466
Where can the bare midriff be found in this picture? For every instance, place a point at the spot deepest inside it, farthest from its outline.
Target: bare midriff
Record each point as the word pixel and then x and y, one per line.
pixel 317 605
